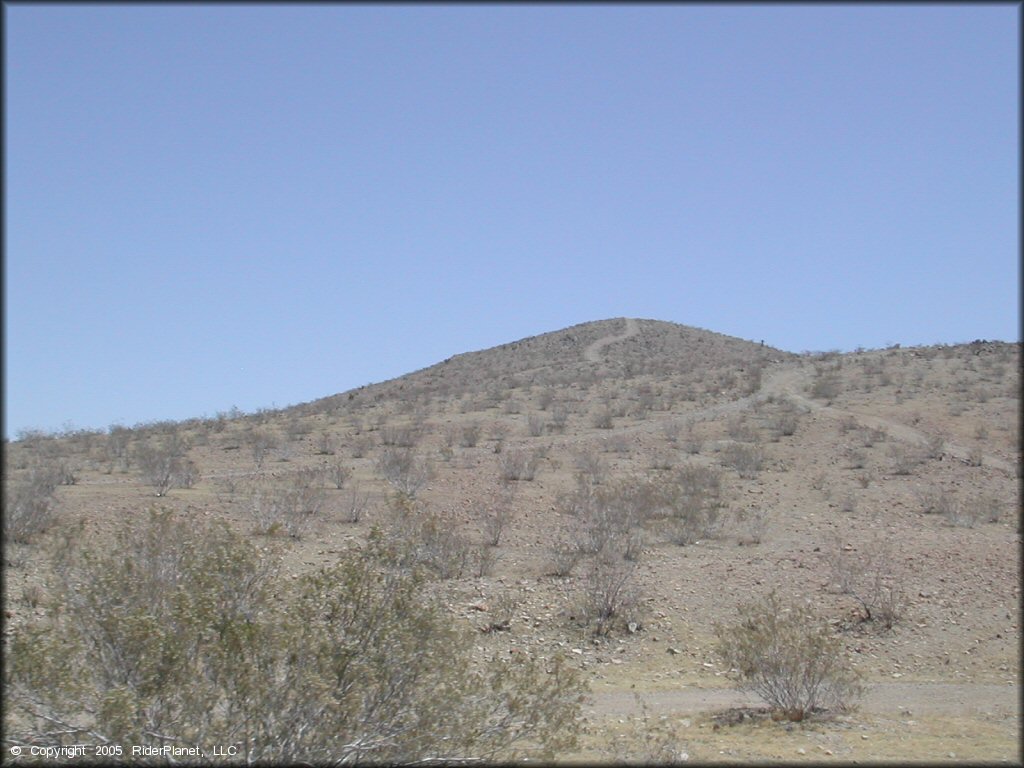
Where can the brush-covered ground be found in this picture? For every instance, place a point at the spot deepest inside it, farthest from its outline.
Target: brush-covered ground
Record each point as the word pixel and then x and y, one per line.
pixel 880 481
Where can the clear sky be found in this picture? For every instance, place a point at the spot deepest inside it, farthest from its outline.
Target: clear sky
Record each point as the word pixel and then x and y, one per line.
pixel 210 206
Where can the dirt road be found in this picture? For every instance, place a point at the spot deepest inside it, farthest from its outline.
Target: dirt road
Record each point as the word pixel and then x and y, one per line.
pixel 953 699
pixel 792 382
pixel 592 354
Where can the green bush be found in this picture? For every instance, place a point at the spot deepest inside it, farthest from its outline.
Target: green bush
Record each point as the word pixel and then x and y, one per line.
pixel 179 634
pixel 789 658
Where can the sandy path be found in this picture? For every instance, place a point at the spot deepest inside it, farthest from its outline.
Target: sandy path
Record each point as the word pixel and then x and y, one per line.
pixel 592 354
pixel 954 699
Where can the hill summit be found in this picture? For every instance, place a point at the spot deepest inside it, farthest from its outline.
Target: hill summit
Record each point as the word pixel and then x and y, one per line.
pixel 615 349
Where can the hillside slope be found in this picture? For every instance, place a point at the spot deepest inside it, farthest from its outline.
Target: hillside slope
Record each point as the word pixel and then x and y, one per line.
pixel 706 470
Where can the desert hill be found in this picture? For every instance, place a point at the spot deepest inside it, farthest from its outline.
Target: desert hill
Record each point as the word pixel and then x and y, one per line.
pixel 576 355
pixel 880 488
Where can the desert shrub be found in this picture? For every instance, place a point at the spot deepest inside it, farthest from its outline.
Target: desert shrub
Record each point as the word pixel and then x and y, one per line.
pixel 564 557
pixel 602 418
pixel 400 436
pixel 545 398
pixel 648 742
pixel 634 544
pixel 747 460
pixel 501 609
pixel 260 443
pixel 751 524
pixel 518 465
pixel 662 460
pixel 590 466
pixel 693 495
pixel 617 443
pixel 429 543
pixel 226 485
pixel 287 506
pixel 784 422
pixel 854 458
pixel 935 447
pixel 559 419
pixel 988 508
pixel 535 424
pixel 672 429
pixel 173 637
pixel 738 428
pixel 164 467
pixel 869 576
pixel 871 435
pixel 338 474
pixel 935 501
pixel 847 424
pixel 826 386
pixel 66 474
pixel 603 515
pixel 497 517
pixel 483 559
pixel 470 435
pixel 498 434
pixel 904 459
pixel 788 657
pixel 325 446
pixel 361 445
pixel 28 504
pixel 691 442
pixel 117 444
pixel 406 472
pixel 354 505
pixel 609 593
pixel 962 514
pixel 296 428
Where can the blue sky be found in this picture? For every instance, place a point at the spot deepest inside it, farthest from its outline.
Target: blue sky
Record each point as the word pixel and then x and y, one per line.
pixel 255 206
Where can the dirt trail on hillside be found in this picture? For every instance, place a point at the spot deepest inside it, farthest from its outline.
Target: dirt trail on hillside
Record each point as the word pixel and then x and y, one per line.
pixel 789 382
pixel 953 699
pixel 792 383
pixel 592 354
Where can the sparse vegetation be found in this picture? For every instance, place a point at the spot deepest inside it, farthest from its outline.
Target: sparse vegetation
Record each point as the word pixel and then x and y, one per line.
pixel 622 552
pixel 406 472
pixel 171 638
pixel 869 576
pixel 29 504
pixel 518 464
pixel 747 460
pixel 609 594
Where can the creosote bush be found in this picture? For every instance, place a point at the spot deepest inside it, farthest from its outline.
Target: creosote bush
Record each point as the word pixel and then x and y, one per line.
pixel 406 472
pixel 869 576
pixel 518 465
pixel 28 503
pixel 609 594
pixel 165 466
pixel 177 633
pixel 789 658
